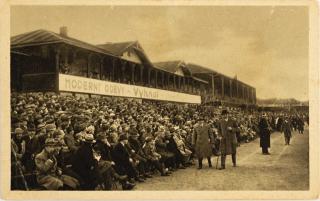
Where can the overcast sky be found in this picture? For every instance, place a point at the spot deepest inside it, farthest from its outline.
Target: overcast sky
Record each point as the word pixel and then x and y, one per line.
pixel 266 47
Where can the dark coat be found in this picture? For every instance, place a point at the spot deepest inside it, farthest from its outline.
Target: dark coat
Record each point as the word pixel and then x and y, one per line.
pixel 161 148
pixel 104 149
pixel 137 147
pixel 228 143
pixel 264 129
pixel 202 139
pixel 71 143
pixel 286 128
pixel 121 158
pixel 85 165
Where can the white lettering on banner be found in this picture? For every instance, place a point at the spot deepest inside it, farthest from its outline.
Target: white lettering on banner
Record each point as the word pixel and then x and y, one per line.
pixel 70 83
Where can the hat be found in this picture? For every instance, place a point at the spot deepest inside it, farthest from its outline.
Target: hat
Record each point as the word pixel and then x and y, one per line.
pixel 65 117
pixel 51 142
pixel 31 128
pixel 134 135
pixel 224 112
pixel 50 127
pixel 89 138
pixel 18 131
pixel 123 137
pixel 148 139
pixel 58 134
pixel 40 126
pixel 101 136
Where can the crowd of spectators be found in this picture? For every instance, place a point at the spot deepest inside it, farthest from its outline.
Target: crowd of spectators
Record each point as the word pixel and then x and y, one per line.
pixel 70 142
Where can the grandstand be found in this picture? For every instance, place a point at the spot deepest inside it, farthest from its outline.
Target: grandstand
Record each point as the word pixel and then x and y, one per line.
pixel 44 61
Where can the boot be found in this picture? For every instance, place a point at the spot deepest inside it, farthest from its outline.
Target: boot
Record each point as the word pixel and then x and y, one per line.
pixel 209 161
pixel 222 167
pixel 120 177
pixel 200 164
pixel 127 186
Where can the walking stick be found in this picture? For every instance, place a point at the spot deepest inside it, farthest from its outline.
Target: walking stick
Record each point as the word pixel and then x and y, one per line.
pixel 19 168
pixel 217 162
pixel 219 153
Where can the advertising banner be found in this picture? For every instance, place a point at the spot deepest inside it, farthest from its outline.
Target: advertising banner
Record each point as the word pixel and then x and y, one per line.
pixel 69 83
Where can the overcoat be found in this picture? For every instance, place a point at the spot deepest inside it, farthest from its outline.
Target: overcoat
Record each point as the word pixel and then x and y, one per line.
pixel 47 173
pixel 86 166
pixel 286 128
pixel 202 139
pixel 264 133
pixel 228 143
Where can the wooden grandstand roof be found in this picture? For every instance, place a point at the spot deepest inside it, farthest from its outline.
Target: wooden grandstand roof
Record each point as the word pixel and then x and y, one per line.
pixel 40 37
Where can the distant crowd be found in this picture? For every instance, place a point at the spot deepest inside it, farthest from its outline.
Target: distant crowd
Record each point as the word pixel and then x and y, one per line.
pixel 76 143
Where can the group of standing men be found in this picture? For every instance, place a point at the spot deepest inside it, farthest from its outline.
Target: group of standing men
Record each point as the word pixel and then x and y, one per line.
pixel 227 127
pixel 202 140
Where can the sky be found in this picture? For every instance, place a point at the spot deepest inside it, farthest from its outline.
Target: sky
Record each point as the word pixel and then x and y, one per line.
pixel 264 46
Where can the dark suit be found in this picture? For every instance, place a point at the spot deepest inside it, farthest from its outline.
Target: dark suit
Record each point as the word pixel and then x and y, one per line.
pixel 286 129
pixel 264 135
pixel 121 158
pixel 228 143
pixel 86 166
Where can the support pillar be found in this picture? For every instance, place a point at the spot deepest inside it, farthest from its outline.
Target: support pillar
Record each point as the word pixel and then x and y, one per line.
pixel 212 85
pixel 57 54
pixel 162 79
pixel 112 74
pixel 222 86
pixel 156 79
pixel 149 71
pixel 132 73
pixel 101 66
pixel 141 74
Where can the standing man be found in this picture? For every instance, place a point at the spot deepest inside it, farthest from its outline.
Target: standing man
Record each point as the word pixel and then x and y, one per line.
pixel 286 129
pixel 202 140
pixel 228 142
pixel 264 129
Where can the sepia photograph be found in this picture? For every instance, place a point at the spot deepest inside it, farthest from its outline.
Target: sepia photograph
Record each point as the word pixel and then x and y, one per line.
pixel 161 97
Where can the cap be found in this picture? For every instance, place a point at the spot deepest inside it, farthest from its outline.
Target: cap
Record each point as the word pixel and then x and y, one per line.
pixel 18 131
pixel 89 138
pixel 123 137
pixel 224 112
pixel 51 142
pixel 50 127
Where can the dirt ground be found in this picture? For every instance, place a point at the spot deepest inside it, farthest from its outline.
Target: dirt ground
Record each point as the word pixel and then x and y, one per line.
pixel 287 168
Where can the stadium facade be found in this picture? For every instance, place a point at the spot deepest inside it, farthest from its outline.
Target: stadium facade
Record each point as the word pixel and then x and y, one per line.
pixel 44 61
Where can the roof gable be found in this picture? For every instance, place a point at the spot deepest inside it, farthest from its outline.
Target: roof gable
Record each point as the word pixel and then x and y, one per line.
pixel 124 48
pixel 47 37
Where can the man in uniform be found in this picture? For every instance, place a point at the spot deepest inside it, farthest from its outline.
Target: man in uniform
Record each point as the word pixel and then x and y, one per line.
pixel 228 142
pixel 202 140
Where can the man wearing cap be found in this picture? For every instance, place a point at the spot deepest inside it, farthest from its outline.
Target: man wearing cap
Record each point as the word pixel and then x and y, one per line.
pixel 202 139
pixel 49 175
pixel 152 156
pixel 124 163
pixel 28 159
pixel 138 155
pixel 50 128
pixel 264 129
pixel 228 142
pixel 104 149
pixel 18 143
pixel 86 165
